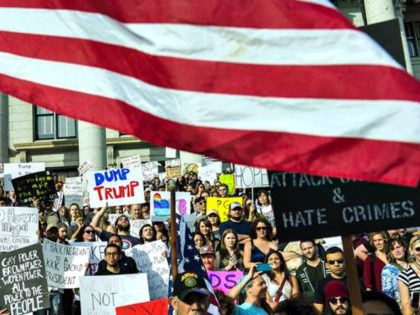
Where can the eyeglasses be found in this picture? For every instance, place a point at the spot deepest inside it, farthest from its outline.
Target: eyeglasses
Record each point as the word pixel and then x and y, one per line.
pixel 89 231
pixel 342 300
pixel 114 254
pixel 201 202
pixel 338 261
pixel 261 228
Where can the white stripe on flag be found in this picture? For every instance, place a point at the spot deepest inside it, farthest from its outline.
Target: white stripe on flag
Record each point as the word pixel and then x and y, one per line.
pixel 229 44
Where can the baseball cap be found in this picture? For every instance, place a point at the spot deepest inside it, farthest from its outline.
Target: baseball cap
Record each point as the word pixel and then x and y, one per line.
pixel 212 211
pixel 235 205
pixel 189 282
pixel 207 250
pixel 336 288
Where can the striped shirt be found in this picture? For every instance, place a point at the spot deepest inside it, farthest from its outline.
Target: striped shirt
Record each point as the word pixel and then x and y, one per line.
pixel 410 278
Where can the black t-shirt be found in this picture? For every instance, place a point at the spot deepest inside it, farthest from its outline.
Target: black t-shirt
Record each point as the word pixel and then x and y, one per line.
pixel 315 273
pixel 106 272
pixel 127 265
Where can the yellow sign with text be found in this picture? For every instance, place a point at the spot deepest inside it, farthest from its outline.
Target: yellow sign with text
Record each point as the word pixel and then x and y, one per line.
pixel 221 205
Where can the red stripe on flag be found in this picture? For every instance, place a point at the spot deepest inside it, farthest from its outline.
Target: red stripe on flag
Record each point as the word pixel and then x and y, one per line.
pixel 252 13
pixel 370 160
pixel 220 77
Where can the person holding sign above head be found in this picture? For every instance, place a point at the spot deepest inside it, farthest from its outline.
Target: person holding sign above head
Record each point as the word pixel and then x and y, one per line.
pixel 190 294
pixel 335 263
pixel 122 225
pixel 236 223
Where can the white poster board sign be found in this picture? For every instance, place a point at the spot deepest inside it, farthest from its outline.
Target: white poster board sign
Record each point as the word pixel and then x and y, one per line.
pixel 22 169
pixel 18 227
pixel 97 250
pixel 150 170
pixel 116 187
pixel 64 264
pixel 136 225
pixel 248 177
pixel 160 206
pixel 100 295
pixel 84 167
pixel 209 172
pixel 150 260
pixel 131 162
pixel 73 191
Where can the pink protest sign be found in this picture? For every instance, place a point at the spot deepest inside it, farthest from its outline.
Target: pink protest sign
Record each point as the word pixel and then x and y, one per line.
pixel 224 280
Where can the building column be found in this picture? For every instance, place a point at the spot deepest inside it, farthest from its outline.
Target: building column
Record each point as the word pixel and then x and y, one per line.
pixel 92 144
pixel 4 128
pixel 384 10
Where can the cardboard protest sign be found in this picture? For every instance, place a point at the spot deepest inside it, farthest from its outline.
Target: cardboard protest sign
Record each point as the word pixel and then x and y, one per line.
pixel 73 191
pixel 84 167
pixel 21 169
pixel 150 260
pixel 97 250
pixel 100 295
pixel 312 207
pixel 160 205
pixel 224 280
pixel 116 187
pixel 191 168
pixel 229 180
pixel 155 307
pixel 18 227
pixel 221 205
pixel 150 170
pixel 136 225
pixel 65 264
pixel 173 169
pixel 249 177
pixel 210 172
pixel 38 185
pixel 130 162
pixel 23 283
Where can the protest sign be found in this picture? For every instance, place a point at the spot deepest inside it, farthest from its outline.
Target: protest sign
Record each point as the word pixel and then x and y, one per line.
pixel 100 295
pixel 112 217
pixel 191 167
pixel 97 250
pixel 249 177
pixel 224 280
pixel 116 187
pixel 38 185
pixel 18 227
pixel 21 169
pixel 64 264
pixel 210 172
pixel 312 207
pixel 84 167
pixel 173 169
pixel 73 191
pixel 150 260
pixel 221 205
pixel 150 170
pixel 229 180
pixel 155 307
pixel 23 284
pixel 7 180
pixel 136 225
pixel 58 202
pixel 160 205
pixel 130 162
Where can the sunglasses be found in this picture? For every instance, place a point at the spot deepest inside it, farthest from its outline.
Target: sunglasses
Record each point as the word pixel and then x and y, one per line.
pixel 338 261
pixel 261 228
pixel 89 232
pixel 342 300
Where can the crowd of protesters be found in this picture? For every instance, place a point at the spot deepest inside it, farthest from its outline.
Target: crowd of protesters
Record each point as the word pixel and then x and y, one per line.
pixel 301 277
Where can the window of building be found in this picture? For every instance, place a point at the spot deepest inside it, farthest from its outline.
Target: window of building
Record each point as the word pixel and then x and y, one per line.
pixel 412 32
pixel 49 125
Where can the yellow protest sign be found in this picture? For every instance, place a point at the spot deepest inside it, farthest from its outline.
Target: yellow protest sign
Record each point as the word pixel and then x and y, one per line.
pixel 221 205
pixel 229 180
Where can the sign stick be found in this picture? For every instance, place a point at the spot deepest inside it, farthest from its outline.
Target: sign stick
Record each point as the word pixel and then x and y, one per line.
pixel 173 232
pixel 352 278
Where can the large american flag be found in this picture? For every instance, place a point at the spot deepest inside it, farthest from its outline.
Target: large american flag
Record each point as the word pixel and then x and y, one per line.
pixel 189 259
pixel 281 84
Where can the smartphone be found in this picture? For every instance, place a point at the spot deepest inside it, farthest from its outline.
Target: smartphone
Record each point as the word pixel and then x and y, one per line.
pixel 263 267
pixel 415 297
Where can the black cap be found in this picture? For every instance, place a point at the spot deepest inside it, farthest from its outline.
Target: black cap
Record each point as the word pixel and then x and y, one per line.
pixel 189 282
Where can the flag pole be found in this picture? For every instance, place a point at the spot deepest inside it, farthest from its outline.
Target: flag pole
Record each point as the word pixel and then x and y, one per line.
pixel 174 259
pixel 352 277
